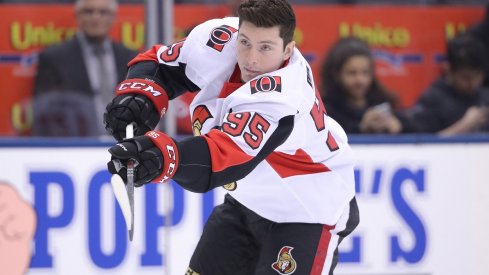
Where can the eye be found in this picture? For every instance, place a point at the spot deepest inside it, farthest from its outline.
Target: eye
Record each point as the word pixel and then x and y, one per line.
pixel 266 48
pixel 244 42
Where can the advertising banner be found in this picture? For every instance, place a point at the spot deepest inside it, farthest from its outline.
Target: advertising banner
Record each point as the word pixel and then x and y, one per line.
pixel 422 211
pixel 408 42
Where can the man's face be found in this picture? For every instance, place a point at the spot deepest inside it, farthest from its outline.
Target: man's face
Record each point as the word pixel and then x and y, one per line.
pixel 466 81
pixel 95 17
pixel 260 50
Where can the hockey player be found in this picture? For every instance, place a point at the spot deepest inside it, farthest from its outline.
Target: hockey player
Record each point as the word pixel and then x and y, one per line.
pixel 261 132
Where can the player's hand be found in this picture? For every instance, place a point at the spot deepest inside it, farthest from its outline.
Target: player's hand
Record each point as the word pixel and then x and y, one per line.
pixel 155 153
pixel 17 226
pixel 147 156
pixel 130 108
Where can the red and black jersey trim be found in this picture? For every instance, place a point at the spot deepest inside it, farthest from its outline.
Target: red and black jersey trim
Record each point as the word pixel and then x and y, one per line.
pixel 149 55
pixel 206 161
pixel 297 164
pixel 351 224
pixel 231 173
pixel 171 78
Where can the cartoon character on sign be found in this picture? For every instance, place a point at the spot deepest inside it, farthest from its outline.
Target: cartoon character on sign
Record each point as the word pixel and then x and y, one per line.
pixel 285 263
pixel 17 226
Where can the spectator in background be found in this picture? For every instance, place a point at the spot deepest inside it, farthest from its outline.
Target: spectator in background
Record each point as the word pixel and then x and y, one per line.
pixel 17 226
pixel 456 103
pixel 481 32
pixel 76 79
pixel 353 95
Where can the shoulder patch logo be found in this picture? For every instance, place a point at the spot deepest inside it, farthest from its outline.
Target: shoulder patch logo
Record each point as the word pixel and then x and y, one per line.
pixel 200 114
pixel 220 36
pixel 285 263
pixel 266 84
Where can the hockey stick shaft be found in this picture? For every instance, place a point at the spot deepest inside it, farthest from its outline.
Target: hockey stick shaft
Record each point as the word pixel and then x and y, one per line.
pixel 130 181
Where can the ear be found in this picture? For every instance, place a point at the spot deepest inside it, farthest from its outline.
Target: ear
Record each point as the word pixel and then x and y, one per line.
pixel 289 49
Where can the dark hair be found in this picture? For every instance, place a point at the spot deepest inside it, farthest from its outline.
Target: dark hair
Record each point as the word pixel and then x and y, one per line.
pixel 269 13
pixel 466 52
pixel 339 54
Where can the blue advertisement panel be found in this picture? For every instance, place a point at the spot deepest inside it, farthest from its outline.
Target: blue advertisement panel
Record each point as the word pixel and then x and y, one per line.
pixel 422 210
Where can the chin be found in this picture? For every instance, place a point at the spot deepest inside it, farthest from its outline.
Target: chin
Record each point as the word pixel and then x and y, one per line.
pixel 95 37
pixel 245 79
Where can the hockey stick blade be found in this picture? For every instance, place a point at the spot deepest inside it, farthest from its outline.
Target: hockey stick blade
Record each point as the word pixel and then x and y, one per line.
pixel 122 198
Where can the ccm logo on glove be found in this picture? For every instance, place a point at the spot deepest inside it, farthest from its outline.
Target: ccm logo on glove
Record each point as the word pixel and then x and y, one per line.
pixel 122 146
pixel 139 86
pixel 170 158
pixel 147 88
pixel 172 165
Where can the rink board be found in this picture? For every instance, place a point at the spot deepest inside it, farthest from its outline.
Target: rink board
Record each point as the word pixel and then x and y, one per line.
pixel 423 211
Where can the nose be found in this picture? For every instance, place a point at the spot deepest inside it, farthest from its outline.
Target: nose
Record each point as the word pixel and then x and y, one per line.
pixel 252 57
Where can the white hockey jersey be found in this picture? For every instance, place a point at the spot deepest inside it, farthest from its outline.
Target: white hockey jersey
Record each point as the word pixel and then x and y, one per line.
pixel 305 175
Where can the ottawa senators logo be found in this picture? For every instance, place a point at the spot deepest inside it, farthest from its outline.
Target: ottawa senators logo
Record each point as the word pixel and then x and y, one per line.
pixel 220 36
pixel 199 116
pixel 266 84
pixel 230 186
pixel 285 264
pixel 191 272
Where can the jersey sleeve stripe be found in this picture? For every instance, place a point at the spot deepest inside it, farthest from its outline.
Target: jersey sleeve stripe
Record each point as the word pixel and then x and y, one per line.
pixel 293 165
pixel 213 160
pixel 224 152
pixel 149 55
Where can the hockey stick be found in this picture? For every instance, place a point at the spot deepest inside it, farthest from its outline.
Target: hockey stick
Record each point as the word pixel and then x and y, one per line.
pixel 124 193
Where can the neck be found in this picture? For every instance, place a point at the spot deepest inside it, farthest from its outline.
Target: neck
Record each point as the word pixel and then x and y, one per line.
pixel 95 40
pixel 357 102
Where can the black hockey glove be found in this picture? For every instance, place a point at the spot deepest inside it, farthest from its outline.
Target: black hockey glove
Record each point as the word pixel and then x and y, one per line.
pixel 130 108
pixel 147 156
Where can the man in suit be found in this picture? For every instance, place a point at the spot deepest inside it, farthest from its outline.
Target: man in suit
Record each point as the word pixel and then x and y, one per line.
pixel 76 79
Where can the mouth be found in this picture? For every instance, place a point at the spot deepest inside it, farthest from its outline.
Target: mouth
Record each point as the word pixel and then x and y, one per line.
pixel 251 72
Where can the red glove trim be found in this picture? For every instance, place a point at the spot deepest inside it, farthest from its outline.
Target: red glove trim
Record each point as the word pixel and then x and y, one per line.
pixel 169 150
pixel 147 88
